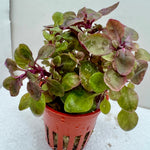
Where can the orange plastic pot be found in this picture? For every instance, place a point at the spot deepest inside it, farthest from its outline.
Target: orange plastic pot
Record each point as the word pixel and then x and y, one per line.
pixel 76 129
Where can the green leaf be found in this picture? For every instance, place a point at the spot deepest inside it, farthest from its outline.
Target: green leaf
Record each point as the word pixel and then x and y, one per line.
pixel 70 81
pixel 130 75
pixel 109 57
pixel 115 29
pixel 131 85
pixel 97 83
pixel 23 56
pixel 105 66
pixel 46 51
pixel 115 44
pixel 114 95
pixel 34 90
pixel 87 69
pixel 58 37
pixel 78 101
pixel 139 71
pixel 127 120
pixel 57 61
pixel 47 36
pixel 25 52
pixel 61 48
pixel 113 80
pixel 65 96
pixel 128 99
pixel 130 34
pixel 7 82
pixel 142 54
pixel 124 62
pixel 37 107
pixel 58 18
pixel 45 87
pixel 96 43
pixel 106 11
pixel 75 28
pixel 46 63
pixel 32 77
pixel 48 98
pixel 105 106
pixel 56 30
pixel 93 108
pixel 56 75
pixel 25 101
pixel 11 65
pixel 68 64
pixel 13 85
pixel 55 88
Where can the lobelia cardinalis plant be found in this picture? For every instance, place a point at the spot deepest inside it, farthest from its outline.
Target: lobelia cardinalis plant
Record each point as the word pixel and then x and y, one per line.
pixel 82 65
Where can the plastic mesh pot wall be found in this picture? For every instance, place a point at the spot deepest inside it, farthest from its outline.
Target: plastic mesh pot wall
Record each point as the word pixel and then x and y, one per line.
pixel 68 132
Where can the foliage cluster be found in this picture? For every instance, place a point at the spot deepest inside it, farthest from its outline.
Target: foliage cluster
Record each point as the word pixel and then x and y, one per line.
pixel 82 63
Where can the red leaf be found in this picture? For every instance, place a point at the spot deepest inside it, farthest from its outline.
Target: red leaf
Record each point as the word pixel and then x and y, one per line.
pixel 115 29
pixel 106 11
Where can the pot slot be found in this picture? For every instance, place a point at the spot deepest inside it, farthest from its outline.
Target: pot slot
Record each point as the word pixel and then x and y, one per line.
pixel 76 142
pixel 85 139
pixel 65 142
pixel 55 140
pixel 47 134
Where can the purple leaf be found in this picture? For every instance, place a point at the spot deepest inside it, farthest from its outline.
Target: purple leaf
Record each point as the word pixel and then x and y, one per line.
pixel 130 34
pixel 124 62
pixel 11 65
pixel 113 80
pixel 13 85
pixel 115 29
pixel 74 21
pixel 96 43
pixel 32 77
pixel 139 72
pixel 88 14
pixel 79 55
pixel 34 90
pixel 46 51
pixel 106 11
pixel 68 16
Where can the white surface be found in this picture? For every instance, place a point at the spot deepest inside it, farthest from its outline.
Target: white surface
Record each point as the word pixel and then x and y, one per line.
pixel 5 39
pixel 23 131
pixel 28 18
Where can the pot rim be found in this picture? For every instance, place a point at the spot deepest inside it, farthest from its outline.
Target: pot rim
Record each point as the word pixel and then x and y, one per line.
pixel 72 115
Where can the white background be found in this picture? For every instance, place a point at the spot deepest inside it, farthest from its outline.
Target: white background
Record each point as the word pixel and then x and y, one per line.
pixel 28 18
pixel 5 39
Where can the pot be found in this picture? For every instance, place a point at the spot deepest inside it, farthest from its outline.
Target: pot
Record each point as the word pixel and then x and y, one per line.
pixel 68 131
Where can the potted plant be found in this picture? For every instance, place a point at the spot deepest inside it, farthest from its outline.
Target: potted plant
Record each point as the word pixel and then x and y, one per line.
pixel 79 67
